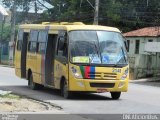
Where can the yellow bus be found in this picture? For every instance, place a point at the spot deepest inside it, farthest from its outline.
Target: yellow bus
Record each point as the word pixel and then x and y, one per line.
pixel 72 57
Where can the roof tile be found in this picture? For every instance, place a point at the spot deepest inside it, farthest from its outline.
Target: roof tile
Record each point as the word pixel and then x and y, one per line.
pixel 148 31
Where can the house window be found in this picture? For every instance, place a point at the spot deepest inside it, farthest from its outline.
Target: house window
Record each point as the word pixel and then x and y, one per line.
pixel 137 47
pixel 128 44
pixel 150 40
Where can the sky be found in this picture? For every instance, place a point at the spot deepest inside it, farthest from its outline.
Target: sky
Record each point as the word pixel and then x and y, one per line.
pixel 32 9
pixel 3 11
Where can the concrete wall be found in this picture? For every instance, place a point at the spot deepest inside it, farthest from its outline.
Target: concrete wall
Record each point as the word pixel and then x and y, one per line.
pixel 143 64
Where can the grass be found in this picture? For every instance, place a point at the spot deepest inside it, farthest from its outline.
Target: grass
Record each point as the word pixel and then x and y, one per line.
pixel 10 96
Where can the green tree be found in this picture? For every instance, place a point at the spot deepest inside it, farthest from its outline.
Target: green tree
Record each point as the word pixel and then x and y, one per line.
pixel 6 32
pixel 124 14
pixel 71 10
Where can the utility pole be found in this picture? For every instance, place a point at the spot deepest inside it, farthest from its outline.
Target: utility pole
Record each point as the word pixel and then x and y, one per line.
pixel 147 3
pixel 11 43
pixel 96 12
pixel 36 9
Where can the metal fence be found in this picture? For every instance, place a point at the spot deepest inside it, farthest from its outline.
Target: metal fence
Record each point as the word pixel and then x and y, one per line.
pixel 4 52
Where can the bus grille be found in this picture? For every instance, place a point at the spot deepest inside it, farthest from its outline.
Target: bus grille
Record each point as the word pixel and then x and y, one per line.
pixel 102 85
pixel 103 76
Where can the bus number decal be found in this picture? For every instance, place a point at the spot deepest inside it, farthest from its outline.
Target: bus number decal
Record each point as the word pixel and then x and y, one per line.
pixel 115 70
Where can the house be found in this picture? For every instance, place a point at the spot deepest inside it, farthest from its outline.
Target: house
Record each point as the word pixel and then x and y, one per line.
pixel 4 14
pixel 7 18
pixel 142 63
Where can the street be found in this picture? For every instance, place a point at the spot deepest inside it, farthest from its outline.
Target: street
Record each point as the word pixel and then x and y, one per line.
pixel 139 99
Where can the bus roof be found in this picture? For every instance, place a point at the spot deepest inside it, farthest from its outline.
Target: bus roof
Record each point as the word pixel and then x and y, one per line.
pixel 68 27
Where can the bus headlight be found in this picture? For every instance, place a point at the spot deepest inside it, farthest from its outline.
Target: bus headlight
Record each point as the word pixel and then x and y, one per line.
pixel 125 75
pixel 76 73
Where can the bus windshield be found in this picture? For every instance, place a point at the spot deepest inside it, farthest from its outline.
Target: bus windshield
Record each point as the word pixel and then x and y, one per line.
pixel 97 47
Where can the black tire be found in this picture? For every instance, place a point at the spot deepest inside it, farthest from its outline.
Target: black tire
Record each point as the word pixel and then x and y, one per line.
pixel 64 90
pixel 115 95
pixel 32 85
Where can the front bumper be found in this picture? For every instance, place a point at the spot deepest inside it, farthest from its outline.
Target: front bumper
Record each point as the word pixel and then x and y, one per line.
pixel 90 85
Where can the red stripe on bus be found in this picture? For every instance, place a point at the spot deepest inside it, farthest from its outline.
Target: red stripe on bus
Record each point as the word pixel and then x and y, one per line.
pixel 42 68
pixel 87 71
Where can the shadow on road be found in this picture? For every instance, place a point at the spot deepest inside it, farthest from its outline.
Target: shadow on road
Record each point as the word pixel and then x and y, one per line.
pixel 52 94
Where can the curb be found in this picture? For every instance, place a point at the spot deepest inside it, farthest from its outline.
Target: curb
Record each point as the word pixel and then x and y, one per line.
pixel 145 80
pixel 6 66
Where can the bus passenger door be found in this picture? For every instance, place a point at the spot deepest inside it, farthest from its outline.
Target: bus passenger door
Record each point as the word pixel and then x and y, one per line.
pixel 49 59
pixel 23 54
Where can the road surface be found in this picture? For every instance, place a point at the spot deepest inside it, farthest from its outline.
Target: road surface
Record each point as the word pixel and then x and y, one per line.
pixel 139 99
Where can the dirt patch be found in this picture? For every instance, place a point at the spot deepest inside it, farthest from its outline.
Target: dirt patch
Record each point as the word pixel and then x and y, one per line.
pixel 14 103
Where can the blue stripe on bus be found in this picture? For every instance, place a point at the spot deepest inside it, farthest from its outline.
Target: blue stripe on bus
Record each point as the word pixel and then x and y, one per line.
pixel 92 72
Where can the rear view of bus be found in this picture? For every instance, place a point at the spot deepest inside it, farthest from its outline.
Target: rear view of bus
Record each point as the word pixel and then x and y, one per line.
pixel 98 62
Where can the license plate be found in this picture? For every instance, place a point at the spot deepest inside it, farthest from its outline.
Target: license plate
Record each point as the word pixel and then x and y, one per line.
pixel 101 90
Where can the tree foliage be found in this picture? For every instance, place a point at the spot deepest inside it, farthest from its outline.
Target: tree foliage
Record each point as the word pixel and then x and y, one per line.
pixel 6 31
pixel 125 14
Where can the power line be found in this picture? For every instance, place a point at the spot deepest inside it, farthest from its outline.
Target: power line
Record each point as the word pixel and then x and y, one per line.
pixel 91 4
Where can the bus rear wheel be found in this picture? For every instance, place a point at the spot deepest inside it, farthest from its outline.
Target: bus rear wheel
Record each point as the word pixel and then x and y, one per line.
pixel 115 95
pixel 32 84
pixel 64 90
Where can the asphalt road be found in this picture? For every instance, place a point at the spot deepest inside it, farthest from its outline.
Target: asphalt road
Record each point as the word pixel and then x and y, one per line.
pixel 139 99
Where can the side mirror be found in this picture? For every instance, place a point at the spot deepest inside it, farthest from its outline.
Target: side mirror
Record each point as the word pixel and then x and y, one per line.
pixel 126 45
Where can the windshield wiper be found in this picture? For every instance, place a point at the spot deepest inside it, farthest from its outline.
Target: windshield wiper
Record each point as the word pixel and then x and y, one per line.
pixel 122 57
pixel 95 55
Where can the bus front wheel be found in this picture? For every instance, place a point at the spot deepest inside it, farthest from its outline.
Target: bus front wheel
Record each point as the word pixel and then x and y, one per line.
pixel 64 90
pixel 115 95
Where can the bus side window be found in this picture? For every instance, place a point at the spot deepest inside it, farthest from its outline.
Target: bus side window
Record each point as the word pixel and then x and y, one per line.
pixel 19 45
pixel 42 39
pixel 41 47
pixel 62 46
pixel 32 45
pixel 20 39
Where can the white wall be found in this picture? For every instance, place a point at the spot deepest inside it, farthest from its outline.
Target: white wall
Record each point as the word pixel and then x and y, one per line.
pixel 143 63
pixel 143 40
